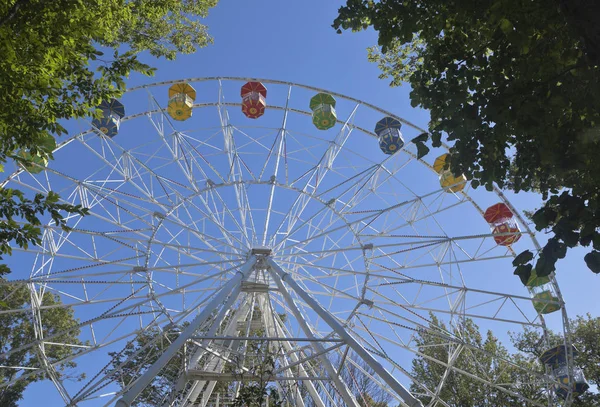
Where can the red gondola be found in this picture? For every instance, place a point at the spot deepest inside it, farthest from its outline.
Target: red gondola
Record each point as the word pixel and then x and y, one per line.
pixel 504 226
pixel 254 96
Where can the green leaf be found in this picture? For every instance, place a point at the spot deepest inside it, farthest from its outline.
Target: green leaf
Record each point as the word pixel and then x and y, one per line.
pixel 506 26
pixel 422 150
pixel 592 260
pixel 545 265
pixel 587 234
pixel 596 240
pixel 554 249
pixel 522 258
pixel 421 138
pixel 48 143
pixel 570 238
pixel 524 272
pixel 4 269
pixel 543 217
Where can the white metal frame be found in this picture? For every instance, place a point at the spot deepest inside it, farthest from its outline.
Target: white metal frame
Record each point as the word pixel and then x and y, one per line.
pixel 146 210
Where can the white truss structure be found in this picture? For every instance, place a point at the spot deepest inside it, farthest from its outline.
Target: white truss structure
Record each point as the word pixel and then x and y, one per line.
pixel 220 227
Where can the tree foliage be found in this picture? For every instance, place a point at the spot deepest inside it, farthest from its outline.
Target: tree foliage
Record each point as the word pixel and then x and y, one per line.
pixel 497 364
pixel 141 353
pixel 60 59
pixel 20 222
pixel 357 374
pixel 586 338
pixel 461 389
pixel 516 86
pixel 367 401
pixel 17 330
pixel 251 367
pixel 494 362
pixel 261 359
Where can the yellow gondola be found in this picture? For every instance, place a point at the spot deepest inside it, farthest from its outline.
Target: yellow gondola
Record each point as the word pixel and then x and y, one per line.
pixel 181 100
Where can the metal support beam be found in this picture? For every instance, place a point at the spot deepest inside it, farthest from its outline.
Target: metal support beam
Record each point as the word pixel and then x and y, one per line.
pixel 205 342
pixel 232 287
pixel 341 387
pixel 268 322
pixel 273 328
pixel 244 346
pixel 230 377
pixel 258 338
pixel 216 364
pixel 334 324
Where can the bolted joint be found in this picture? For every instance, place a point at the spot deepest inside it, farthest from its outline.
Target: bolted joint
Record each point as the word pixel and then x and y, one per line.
pixel 368 303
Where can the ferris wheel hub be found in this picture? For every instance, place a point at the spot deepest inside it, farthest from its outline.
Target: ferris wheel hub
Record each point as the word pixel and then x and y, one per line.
pixel 261 251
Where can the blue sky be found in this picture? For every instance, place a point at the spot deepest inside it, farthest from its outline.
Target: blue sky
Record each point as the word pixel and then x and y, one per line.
pixel 294 41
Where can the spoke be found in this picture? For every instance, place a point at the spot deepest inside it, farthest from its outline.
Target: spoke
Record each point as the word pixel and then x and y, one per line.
pixel 235 170
pixel 111 312
pixel 281 149
pixel 317 174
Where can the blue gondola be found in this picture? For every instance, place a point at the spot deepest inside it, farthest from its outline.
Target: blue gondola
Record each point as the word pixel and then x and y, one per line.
pixel 556 358
pixel 390 137
pixel 112 112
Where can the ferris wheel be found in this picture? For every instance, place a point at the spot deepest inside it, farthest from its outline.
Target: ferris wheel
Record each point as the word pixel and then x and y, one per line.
pixel 225 211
